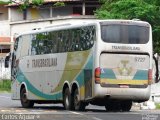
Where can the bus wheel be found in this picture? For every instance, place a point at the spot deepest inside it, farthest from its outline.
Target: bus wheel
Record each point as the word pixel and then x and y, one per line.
pixel 113 106
pixel 78 105
pixel 126 106
pixel 67 99
pixel 24 101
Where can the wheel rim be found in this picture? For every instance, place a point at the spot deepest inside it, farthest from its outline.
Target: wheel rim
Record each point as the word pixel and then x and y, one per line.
pixel 76 100
pixel 24 97
pixel 67 101
pixel 24 100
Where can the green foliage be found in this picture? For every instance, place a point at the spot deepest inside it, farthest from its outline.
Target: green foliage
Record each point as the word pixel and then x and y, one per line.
pixel 59 4
pixel 145 10
pixel 36 3
pixel 126 9
pixel 5 85
pixel 24 5
pixel 4 3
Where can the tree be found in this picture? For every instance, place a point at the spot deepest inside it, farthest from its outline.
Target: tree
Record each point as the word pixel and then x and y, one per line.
pixel 24 5
pixel 3 2
pixel 27 3
pixel 145 10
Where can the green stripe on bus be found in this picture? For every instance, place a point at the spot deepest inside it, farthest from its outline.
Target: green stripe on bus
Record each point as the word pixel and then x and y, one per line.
pixel 21 78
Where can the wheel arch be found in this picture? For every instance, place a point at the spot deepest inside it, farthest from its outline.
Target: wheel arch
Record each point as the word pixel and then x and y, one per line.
pixel 75 86
pixel 65 85
pixel 23 85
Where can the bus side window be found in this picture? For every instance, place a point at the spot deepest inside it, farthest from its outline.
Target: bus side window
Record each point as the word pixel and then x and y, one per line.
pixel 55 41
pixel 72 40
pixel 25 40
pixel 77 41
pixel 34 48
pixel 66 40
pixel 87 37
pixel 16 44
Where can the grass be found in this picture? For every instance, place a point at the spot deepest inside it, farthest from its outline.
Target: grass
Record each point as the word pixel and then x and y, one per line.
pixel 5 85
pixel 157 105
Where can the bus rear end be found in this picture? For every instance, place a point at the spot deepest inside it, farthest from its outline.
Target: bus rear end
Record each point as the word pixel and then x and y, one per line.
pixel 123 61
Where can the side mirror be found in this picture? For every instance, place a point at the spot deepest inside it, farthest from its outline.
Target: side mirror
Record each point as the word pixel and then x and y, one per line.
pixel 6 64
pixel 156 74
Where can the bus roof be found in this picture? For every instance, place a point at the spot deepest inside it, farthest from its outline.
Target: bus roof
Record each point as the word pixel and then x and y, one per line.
pixel 79 22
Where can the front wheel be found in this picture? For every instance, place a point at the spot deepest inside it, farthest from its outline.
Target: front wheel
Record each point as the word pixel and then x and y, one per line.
pixel 78 104
pixel 24 101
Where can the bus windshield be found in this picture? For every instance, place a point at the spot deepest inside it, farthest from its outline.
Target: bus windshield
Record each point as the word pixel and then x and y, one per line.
pixel 125 34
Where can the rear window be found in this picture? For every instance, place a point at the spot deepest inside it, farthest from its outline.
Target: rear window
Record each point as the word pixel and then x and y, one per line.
pixel 126 34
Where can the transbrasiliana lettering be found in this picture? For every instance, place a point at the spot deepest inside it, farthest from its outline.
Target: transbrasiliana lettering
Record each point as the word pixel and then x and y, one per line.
pixel 39 63
pixel 125 48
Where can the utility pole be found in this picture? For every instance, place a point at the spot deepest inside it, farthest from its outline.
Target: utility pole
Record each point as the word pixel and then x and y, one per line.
pixel 83 8
pixel 51 12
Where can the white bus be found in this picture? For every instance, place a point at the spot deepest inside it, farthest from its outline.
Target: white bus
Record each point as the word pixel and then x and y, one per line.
pixel 100 62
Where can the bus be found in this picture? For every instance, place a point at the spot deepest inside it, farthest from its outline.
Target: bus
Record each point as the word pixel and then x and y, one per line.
pixel 77 63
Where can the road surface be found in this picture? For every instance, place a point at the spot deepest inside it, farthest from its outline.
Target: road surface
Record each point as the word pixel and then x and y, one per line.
pixel 12 110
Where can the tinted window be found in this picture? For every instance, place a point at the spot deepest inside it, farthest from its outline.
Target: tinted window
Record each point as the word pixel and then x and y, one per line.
pixel 77 39
pixel 127 34
pixel 16 44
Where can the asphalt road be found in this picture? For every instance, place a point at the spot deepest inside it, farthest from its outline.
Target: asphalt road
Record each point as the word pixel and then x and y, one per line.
pixel 12 110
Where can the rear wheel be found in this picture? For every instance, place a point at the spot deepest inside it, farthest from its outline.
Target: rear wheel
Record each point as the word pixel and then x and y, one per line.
pixel 126 106
pixel 113 106
pixel 67 99
pixel 117 106
pixel 24 101
pixel 78 104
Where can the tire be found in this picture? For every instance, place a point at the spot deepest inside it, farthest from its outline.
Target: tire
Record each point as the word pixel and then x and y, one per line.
pixel 24 101
pixel 113 106
pixel 67 99
pixel 78 105
pixel 126 106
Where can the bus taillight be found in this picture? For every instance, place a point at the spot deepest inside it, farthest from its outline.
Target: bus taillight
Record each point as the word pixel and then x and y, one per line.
pixel 149 76
pixel 97 75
